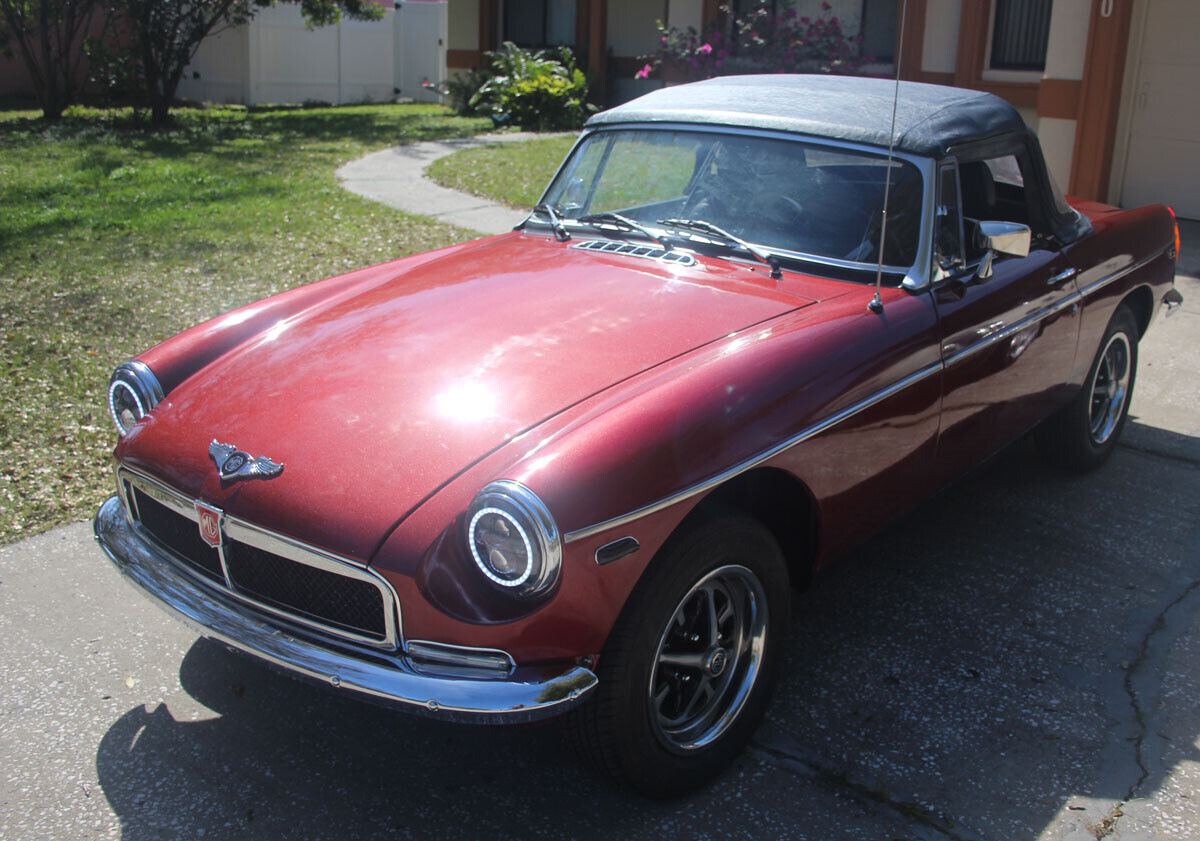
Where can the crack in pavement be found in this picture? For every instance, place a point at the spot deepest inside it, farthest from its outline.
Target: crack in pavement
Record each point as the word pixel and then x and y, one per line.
pixel 1132 670
pixel 1158 625
pixel 1134 448
pixel 914 813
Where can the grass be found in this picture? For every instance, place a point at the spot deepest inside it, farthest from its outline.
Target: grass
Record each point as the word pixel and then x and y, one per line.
pixel 113 237
pixel 512 173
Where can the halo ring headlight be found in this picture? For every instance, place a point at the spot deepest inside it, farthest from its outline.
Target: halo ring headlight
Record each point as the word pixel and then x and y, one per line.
pixel 513 540
pixel 133 391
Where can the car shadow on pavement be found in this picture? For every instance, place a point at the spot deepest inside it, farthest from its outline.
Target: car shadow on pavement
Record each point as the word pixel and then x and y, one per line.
pixel 997 663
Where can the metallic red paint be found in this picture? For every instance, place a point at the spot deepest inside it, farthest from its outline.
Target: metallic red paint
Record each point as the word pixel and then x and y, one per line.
pixel 676 373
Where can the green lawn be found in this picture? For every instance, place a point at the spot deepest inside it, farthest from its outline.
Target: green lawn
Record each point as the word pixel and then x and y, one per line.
pixel 514 173
pixel 113 237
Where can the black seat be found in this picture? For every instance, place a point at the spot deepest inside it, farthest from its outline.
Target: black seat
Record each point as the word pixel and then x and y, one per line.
pixel 978 190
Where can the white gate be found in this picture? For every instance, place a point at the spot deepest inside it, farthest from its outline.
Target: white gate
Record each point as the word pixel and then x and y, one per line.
pixel 277 58
pixel 421 30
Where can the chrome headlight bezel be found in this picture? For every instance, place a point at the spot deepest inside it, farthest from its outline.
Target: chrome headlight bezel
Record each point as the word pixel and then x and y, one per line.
pixel 132 387
pixel 528 515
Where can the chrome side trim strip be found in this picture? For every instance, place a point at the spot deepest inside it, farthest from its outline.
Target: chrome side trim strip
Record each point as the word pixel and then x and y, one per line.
pixel 1013 329
pixel 285 547
pixel 832 420
pixel 1051 310
pixel 529 693
pixel 851 411
pixel 756 460
pixel 1120 273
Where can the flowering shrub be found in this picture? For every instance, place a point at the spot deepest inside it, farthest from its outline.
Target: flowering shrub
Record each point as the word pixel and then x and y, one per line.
pixel 760 42
pixel 537 90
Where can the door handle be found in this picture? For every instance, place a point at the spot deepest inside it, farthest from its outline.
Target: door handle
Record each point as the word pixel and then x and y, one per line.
pixel 1062 277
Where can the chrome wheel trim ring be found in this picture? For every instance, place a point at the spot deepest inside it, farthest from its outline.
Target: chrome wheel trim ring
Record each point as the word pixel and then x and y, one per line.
pixel 1109 388
pixel 707 659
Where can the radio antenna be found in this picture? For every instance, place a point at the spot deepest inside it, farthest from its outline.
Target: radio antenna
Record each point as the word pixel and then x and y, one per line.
pixel 876 304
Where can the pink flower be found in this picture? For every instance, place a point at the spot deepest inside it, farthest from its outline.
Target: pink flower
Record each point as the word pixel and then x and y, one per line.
pixel 705 49
pixel 644 73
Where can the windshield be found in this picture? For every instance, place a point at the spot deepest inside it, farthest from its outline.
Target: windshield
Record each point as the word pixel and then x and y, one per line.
pixel 782 195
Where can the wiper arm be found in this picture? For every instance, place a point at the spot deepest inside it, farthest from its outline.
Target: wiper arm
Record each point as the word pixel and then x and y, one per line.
pixel 616 220
pixel 706 227
pixel 560 231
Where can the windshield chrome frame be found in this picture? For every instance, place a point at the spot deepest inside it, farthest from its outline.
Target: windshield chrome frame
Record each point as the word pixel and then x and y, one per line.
pixel 917 278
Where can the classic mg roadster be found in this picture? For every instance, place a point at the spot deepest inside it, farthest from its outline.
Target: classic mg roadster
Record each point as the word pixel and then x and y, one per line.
pixel 578 468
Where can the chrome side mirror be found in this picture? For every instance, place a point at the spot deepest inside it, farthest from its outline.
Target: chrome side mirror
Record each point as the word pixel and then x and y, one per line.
pixel 1011 239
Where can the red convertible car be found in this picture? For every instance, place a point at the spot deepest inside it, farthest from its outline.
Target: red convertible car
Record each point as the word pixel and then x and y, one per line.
pixel 578 468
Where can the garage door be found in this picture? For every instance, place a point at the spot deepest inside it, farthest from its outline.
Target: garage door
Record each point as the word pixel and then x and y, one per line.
pixel 1163 163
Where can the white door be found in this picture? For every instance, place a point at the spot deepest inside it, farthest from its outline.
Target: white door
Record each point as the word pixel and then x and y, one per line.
pixel 1164 136
pixel 421 28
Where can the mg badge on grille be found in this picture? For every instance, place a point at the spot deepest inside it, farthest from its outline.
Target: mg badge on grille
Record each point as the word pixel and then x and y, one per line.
pixel 210 524
pixel 233 463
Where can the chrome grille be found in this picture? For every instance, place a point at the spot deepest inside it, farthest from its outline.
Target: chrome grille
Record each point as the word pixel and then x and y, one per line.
pixel 179 534
pixel 650 253
pixel 322 596
pixel 274 573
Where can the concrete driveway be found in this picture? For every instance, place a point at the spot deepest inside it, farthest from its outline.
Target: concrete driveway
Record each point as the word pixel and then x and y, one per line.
pixel 1018 659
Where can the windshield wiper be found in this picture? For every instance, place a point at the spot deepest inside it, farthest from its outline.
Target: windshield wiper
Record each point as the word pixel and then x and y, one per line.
pixel 620 222
pixel 560 231
pixel 706 227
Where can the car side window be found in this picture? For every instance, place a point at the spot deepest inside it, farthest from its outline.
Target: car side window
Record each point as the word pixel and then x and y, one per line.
pixel 948 236
pixel 993 190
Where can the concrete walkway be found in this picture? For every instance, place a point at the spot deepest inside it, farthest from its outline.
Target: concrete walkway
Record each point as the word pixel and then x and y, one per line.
pixel 396 177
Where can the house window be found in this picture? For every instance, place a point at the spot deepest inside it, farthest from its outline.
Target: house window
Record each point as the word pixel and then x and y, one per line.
pixel 1020 33
pixel 539 23
pixel 878 29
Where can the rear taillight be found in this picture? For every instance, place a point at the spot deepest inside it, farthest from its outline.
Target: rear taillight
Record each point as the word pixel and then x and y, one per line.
pixel 1176 221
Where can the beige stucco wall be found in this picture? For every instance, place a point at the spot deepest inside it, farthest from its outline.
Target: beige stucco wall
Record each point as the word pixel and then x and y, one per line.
pixel 940 44
pixel 1065 54
pixel 1068 39
pixel 464 25
pixel 685 13
pixel 631 26
pixel 1064 60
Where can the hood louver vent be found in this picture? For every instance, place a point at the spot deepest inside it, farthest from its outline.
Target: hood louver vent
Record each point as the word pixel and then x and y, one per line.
pixel 660 254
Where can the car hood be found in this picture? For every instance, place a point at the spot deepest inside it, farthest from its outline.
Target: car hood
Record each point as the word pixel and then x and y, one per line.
pixel 374 400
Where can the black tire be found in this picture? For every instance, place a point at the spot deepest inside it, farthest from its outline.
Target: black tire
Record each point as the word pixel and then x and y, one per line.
pixel 679 695
pixel 1083 434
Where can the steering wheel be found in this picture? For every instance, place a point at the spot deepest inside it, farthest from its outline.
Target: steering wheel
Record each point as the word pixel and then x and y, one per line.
pixel 780 209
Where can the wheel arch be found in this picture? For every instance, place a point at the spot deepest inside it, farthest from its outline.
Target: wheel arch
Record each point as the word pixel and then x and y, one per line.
pixel 1140 302
pixel 778 500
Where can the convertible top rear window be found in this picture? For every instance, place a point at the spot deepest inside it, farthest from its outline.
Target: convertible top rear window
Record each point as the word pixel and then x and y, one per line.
pixel 785 195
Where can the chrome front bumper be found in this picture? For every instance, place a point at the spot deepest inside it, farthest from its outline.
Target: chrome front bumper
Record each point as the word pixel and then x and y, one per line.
pixel 529 693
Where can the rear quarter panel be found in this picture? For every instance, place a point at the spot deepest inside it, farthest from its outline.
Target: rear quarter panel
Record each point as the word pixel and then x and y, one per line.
pixel 1127 257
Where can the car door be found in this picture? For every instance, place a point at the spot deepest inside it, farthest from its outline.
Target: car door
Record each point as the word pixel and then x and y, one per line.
pixel 1008 324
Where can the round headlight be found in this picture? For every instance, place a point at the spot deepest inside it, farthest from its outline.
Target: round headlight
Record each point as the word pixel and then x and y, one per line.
pixel 133 391
pixel 513 539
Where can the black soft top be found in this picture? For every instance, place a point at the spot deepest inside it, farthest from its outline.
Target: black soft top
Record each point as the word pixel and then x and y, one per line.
pixel 930 119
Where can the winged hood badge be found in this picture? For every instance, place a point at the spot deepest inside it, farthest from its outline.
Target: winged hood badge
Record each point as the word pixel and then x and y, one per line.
pixel 233 463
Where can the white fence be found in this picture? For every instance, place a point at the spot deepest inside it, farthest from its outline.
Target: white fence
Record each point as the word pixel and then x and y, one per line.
pixel 276 58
